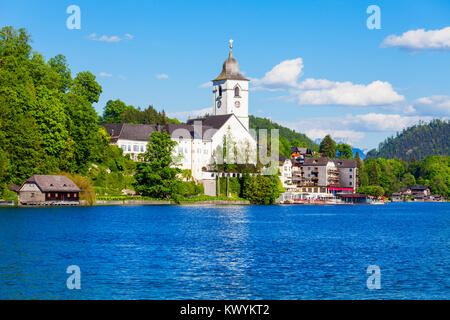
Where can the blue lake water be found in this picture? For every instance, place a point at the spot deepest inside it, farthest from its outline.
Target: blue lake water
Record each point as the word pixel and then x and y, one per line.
pixel 227 252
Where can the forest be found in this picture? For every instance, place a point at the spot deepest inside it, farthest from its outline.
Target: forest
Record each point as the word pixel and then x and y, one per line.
pixel 287 137
pixel 416 142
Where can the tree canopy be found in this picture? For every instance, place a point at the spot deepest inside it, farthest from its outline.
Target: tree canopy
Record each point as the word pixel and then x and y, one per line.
pixel 328 147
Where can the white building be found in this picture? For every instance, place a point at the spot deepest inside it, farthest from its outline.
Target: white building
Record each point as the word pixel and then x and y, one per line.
pixel 200 140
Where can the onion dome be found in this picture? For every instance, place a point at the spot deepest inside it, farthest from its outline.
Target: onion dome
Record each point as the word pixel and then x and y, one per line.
pixel 230 69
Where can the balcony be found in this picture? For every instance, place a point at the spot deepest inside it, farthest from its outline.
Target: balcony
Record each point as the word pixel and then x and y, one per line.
pixel 334 185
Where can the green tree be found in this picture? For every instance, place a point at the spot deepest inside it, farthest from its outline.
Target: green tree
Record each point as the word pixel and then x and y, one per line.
pixel 85 85
pixel 261 189
pixel 114 110
pixel 157 175
pixel 60 66
pixel 408 180
pixel 344 151
pixel 375 191
pixel 328 147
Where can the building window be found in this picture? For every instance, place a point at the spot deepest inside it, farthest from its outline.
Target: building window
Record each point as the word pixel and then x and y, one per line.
pixel 350 169
pixel 350 176
pixel 124 147
pixel 236 92
pixel 142 148
pixel 74 195
pixel 220 91
pixel 32 194
pixel 129 147
pixel 351 183
pixel 136 148
pixel 68 195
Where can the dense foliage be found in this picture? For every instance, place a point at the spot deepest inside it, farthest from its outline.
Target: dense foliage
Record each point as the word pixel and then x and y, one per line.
pixel 47 121
pixel 116 111
pixel 157 176
pixel 416 142
pixel 287 136
pixel 261 189
pixel 328 147
pixel 391 174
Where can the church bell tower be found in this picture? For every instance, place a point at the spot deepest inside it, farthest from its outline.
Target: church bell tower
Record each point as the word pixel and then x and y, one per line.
pixel 230 91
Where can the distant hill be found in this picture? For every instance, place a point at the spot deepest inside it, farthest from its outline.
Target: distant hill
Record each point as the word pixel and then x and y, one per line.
pixel 416 142
pixel 286 133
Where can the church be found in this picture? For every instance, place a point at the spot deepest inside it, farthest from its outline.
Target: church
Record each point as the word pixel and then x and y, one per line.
pixel 200 141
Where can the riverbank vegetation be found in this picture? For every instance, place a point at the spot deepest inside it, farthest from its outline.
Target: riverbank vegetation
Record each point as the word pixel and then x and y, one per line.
pixel 388 175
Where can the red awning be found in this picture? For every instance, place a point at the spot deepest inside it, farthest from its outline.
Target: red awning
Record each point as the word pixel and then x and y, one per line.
pixel 340 189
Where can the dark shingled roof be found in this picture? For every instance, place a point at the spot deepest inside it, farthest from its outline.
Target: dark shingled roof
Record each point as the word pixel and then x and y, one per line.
pixel 316 161
pixel 113 129
pixel 215 122
pixel 419 187
pixel 345 163
pixel 137 131
pixel 141 132
pixel 53 183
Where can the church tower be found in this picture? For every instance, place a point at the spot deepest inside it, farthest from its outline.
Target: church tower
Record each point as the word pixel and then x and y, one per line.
pixel 230 91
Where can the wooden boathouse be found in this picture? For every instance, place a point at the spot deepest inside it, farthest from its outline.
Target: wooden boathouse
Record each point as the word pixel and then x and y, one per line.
pixel 49 190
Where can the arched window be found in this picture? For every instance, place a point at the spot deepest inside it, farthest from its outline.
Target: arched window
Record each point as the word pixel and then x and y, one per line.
pixel 236 92
pixel 220 91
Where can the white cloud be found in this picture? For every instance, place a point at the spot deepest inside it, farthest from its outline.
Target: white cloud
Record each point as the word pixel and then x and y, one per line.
pixel 184 115
pixel 420 40
pixel 162 76
pixel 283 76
pixel 433 106
pixel 206 85
pixel 344 136
pixel 353 128
pixel 326 92
pixel 105 38
pixel 105 74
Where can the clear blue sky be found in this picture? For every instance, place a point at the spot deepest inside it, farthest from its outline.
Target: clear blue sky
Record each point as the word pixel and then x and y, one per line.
pixel 174 47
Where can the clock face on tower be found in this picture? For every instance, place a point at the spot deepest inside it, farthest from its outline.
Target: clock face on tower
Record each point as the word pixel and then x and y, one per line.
pixel 237 104
pixel 219 104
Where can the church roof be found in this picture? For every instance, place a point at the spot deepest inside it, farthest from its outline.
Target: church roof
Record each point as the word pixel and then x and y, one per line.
pixel 141 132
pixel 230 69
pixel 215 122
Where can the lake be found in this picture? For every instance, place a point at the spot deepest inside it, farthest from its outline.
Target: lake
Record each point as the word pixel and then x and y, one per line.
pixel 226 252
